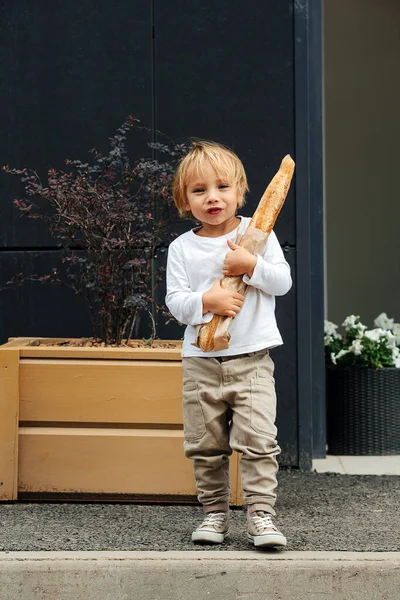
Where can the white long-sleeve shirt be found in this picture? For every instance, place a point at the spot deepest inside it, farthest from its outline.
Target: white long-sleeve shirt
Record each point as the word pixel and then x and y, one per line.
pixel 195 262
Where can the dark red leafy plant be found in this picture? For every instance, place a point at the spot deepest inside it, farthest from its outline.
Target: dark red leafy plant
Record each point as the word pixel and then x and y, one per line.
pixel 111 217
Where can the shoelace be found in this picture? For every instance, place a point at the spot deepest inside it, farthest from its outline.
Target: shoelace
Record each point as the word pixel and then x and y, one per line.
pixel 262 520
pixel 213 519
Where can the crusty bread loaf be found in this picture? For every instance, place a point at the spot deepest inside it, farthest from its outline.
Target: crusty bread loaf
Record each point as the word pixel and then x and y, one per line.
pixel 205 338
pixel 274 196
pixel 214 335
pixel 217 328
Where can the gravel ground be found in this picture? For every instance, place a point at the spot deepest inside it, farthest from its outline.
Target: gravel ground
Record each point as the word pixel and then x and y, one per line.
pixel 316 511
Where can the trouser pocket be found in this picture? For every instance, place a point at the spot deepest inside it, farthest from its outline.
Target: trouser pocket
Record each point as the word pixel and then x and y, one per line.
pixel 263 405
pixel 194 427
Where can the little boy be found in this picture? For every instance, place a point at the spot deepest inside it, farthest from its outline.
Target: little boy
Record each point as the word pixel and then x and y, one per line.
pixel 229 400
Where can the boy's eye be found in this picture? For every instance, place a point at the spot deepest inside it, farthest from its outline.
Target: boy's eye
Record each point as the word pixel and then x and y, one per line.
pixel 196 190
pixel 224 185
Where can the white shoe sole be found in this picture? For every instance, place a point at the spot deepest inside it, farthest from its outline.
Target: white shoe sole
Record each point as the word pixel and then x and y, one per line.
pixel 208 537
pixel 267 540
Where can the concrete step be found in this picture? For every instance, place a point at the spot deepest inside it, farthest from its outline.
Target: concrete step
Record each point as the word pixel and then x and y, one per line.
pixel 358 465
pixel 200 575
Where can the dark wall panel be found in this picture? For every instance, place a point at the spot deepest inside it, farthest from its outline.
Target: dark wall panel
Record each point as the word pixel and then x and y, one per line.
pixel 35 309
pixel 70 74
pixel 220 71
pixel 47 309
pixel 285 359
pixel 224 71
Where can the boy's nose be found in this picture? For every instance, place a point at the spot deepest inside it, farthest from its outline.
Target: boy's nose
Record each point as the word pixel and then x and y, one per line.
pixel 213 196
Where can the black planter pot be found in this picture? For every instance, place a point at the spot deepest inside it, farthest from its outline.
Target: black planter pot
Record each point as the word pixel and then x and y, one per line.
pixel 363 411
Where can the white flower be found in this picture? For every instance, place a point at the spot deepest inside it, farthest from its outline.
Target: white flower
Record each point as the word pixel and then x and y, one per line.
pixel 391 339
pixel 341 353
pixel 396 332
pixel 360 329
pixel 396 357
pixel 330 333
pixel 330 329
pixel 375 334
pixel 383 321
pixel 349 322
pixel 356 347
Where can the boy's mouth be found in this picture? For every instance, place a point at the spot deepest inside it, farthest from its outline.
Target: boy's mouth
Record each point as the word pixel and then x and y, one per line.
pixel 214 211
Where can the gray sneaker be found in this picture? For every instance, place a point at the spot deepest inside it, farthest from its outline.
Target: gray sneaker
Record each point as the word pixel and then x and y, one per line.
pixel 213 530
pixel 262 531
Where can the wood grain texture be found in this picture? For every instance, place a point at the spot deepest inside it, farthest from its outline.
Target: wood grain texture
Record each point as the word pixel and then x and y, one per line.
pixel 9 409
pixel 35 347
pixel 125 435
pixel 101 391
pixel 115 461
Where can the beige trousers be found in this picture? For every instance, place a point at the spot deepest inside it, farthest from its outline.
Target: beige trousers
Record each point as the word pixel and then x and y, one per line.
pixel 230 404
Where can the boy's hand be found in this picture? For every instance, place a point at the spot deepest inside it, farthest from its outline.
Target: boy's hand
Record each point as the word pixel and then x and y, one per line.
pixel 238 262
pixel 222 302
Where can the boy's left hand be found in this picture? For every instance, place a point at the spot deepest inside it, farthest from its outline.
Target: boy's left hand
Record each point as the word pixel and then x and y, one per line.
pixel 238 262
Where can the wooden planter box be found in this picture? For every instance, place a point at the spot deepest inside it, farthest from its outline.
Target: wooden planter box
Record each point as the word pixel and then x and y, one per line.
pixel 93 423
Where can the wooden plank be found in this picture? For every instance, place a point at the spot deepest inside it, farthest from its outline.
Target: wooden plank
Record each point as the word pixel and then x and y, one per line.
pixel 239 501
pixel 9 409
pixel 31 347
pixel 233 476
pixel 98 461
pixel 100 391
pixel 18 342
pixel 101 353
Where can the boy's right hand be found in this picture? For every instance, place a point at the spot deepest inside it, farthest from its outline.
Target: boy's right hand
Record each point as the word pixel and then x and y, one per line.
pixel 221 301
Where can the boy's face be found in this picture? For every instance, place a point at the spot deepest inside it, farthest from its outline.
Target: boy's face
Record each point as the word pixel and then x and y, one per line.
pixel 210 199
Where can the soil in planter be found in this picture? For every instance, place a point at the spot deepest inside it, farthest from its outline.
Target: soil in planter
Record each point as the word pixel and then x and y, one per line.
pixel 98 343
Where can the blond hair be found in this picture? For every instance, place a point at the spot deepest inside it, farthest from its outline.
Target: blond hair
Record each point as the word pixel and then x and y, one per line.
pixel 225 163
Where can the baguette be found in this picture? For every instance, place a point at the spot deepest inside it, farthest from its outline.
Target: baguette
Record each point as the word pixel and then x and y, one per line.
pixel 274 196
pixel 214 335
